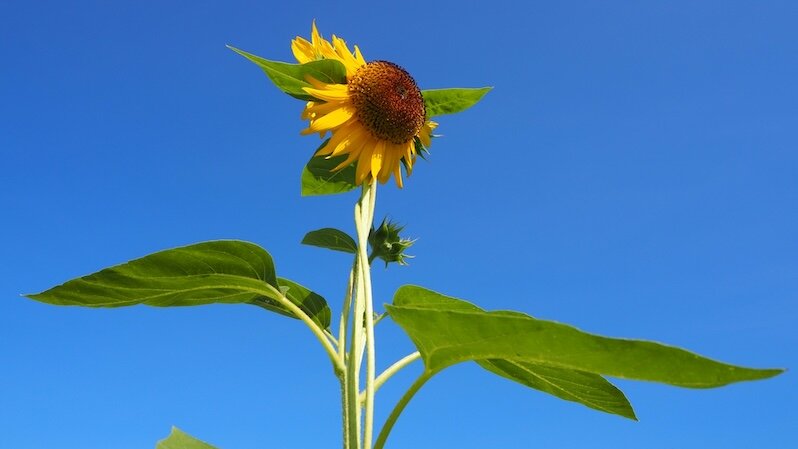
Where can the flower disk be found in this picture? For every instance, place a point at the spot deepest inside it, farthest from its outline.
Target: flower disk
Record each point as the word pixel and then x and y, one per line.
pixel 387 101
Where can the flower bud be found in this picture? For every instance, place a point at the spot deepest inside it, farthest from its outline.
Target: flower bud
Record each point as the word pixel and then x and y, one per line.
pixel 387 244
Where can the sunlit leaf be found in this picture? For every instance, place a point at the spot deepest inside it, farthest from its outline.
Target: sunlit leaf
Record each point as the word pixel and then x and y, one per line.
pixel 318 177
pixel 292 78
pixel 449 331
pixel 451 101
pixel 331 238
pixel 587 389
pixel 222 271
pixel 178 439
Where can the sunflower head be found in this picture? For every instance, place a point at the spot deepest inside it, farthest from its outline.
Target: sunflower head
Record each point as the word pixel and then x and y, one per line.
pixel 373 115
pixel 376 119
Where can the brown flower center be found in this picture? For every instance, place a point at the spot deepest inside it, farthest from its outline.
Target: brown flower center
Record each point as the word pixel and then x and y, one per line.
pixel 388 101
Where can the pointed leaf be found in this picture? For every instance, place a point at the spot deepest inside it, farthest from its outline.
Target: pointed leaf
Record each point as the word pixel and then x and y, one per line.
pixel 318 177
pixel 331 238
pixel 178 439
pixel 587 389
pixel 451 101
pixel 291 78
pixel 223 271
pixel 448 331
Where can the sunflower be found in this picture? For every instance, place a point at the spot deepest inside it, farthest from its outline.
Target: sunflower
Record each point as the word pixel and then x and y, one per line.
pixel 377 119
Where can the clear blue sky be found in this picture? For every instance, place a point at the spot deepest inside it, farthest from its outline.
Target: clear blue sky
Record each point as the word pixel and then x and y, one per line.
pixel 634 172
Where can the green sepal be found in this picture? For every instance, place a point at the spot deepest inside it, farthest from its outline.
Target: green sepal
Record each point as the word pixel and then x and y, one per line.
pixel 331 238
pixel 451 101
pixel 318 177
pixel 387 244
pixel 292 78
pixel 178 439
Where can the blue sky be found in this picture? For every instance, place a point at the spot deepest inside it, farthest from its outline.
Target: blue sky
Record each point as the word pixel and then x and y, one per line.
pixel 634 173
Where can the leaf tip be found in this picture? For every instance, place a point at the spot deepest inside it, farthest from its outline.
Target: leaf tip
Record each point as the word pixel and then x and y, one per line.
pixel 772 372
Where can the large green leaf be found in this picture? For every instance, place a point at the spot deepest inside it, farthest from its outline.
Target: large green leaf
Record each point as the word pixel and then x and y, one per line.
pixel 178 439
pixel 588 389
pixel 451 101
pixel 318 177
pixel 331 238
pixel 292 78
pixel 449 331
pixel 223 271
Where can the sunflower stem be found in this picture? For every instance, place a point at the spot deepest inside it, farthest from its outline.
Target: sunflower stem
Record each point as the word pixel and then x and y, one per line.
pixel 353 367
pixel 363 222
pixel 390 371
pixel 361 333
pixel 399 408
pixel 342 328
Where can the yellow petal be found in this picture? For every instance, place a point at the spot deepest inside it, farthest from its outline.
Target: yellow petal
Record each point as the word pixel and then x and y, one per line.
pixel 330 121
pixel 329 94
pixel 318 109
pixel 346 57
pixel 352 137
pixel 425 133
pixel 408 151
pixel 359 56
pixel 315 36
pixel 389 162
pixel 377 157
pixel 397 174
pixel 353 155
pixel 339 140
pixel 338 136
pixel 363 164
pixel 302 50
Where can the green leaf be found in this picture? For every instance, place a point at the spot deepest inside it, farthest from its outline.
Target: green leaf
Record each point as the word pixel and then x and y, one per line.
pixel 178 439
pixel 331 238
pixel 451 101
pixel 587 389
pixel 449 331
pixel 291 78
pixel 318 177
pixel 223 271
pixel 310 302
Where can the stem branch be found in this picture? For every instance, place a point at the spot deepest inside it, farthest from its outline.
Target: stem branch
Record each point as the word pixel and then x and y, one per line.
pixel 274 293
pixel 400 406
pixel 390 371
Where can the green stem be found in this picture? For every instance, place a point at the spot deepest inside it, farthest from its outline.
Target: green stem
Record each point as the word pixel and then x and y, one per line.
pixel 348 298
pixel 390 371
pixel 350 291
pixel 362 301
pixel 363 228
pixel 353 368
pixel 400 406
pixel 274 293
pixel 345 412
